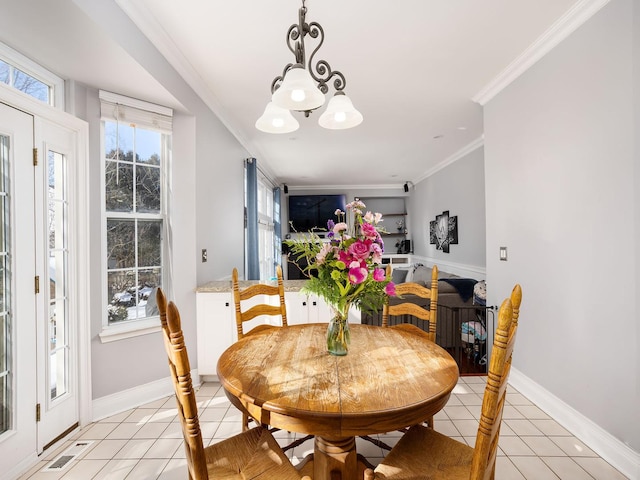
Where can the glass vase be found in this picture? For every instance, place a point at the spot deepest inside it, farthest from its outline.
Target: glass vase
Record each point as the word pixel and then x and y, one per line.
pixel 338 333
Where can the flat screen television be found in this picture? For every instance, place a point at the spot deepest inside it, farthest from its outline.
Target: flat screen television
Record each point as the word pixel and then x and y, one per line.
pixel 308 211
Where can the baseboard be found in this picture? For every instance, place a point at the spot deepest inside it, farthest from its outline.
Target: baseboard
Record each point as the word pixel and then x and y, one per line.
pixel 618 454
pixel 106 406
pixel 460 269
pixel 21 468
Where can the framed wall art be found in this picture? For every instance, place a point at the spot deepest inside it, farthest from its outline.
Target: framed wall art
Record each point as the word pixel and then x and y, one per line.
pixel 443 231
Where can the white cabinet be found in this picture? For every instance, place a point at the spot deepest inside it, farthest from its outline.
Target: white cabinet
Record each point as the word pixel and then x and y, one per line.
pixel 306 309
pixel 216 327
pixel 303 308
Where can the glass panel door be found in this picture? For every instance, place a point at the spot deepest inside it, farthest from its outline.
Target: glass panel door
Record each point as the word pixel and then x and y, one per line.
pixel 18 428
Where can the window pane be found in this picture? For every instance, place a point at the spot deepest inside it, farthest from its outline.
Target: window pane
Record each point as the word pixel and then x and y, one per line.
pixel 58 348
pixel 4 341
pixel 111 141
pixel 6 365
pixel 119 187
pixel 149 279
pixel 4 72
pixel 149 243
pixel 57 360
pixel 30 85
pixel 121 292
pixel 148 146
pixel 147 189
pixel 119 139
pixel 120 244
pixel 3 280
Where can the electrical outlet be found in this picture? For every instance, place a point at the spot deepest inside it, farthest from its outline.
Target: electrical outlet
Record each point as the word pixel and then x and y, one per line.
pixel 204 255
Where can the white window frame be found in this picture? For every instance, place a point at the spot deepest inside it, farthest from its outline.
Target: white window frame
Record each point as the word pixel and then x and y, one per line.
pixel 266 228
pixel 28 66
pixel 152 117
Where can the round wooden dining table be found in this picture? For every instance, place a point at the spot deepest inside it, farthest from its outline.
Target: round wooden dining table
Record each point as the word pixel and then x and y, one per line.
pixel 390 379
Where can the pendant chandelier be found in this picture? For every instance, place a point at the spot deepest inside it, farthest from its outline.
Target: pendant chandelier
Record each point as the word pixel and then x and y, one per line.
pixel 303 85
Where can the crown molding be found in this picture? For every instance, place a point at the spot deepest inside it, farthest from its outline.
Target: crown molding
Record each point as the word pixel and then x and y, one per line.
pixel 561 29
pixel 463 152
pixel 146 22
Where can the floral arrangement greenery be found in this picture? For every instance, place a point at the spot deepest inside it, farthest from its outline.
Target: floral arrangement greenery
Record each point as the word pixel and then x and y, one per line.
pixel 346 270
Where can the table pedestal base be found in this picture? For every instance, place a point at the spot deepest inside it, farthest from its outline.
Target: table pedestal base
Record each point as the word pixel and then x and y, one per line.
pixel 334 455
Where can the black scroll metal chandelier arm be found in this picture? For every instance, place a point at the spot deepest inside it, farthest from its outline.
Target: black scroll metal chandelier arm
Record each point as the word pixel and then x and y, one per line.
pixel 321 72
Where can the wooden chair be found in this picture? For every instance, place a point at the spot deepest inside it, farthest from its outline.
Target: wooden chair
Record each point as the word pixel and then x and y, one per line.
pixel 242 316
pixel 424 453
pixel 253 454
pixel 409 308
pixel 240 296
pixel 429 315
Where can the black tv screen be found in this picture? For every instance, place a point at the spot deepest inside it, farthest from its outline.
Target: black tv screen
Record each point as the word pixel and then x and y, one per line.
pixel 309 211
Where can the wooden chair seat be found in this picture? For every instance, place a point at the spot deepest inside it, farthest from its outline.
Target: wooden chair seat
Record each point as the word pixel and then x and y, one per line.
pixel 252 454
pixel 423 450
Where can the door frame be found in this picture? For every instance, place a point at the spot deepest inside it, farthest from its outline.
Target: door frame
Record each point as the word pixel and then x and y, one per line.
pixel 80 266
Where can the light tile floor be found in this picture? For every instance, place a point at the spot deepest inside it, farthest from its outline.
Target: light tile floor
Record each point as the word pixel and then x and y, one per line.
pixel 146 442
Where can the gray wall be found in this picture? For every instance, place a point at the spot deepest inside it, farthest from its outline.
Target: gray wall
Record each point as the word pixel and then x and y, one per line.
pixel 458 188
pixel 562 193
pixel 206 177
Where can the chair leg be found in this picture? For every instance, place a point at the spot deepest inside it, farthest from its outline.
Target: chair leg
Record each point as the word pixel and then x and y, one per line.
pixel 429 422
pixel 245 422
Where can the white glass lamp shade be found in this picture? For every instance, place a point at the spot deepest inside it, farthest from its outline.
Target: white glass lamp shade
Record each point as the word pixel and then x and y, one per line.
pixel 298 91
pixel 276 120
pixel 340 114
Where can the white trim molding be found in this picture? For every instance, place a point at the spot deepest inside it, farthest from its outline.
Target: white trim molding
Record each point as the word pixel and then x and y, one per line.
pixel 135 328
pixel 617 453
pixel 113 404
pixel 463 152
pixel 460 269
pixel 561 29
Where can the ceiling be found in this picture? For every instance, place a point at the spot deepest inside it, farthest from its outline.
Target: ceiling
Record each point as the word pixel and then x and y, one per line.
pixel 413 71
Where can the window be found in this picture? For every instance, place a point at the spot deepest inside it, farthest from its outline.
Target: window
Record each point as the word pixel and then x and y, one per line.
pixel 265 228
pixel 136 138
pixel 19 72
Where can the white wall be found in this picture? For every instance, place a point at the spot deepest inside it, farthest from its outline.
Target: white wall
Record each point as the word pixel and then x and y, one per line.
pixel 562 194
pixel 458 188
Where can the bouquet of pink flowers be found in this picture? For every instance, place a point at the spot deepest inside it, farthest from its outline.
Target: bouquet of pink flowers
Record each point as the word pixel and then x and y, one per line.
pixel 347 269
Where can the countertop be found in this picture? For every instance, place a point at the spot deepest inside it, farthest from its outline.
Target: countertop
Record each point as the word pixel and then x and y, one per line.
pixel 222 286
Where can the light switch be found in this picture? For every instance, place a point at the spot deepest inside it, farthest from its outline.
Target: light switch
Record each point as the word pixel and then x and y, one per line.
pixel 503 254
pixel 204 255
